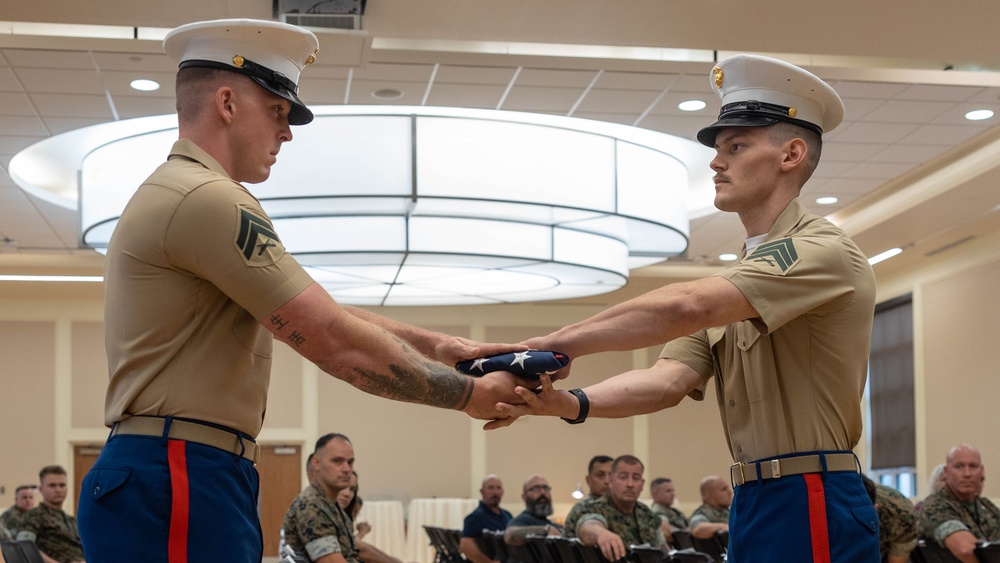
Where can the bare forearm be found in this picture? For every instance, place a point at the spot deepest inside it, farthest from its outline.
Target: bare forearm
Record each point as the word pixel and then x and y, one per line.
pixel 471 551
pixel 589 532
pixel 962 545
pixel 653 318
pixel 425 341
pixel 706 530
pixel 365 354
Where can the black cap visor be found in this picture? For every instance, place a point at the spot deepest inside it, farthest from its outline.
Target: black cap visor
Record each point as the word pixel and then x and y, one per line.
pixel 707 135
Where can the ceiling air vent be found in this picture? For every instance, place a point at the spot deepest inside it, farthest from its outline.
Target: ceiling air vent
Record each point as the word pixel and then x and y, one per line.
pixel 329 14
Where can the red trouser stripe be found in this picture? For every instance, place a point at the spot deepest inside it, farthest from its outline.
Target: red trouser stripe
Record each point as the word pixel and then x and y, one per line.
pixel 177 543
pixel 817 518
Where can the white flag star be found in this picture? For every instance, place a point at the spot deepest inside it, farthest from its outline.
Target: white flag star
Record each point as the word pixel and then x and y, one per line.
pixel 478 364
pixel 519 358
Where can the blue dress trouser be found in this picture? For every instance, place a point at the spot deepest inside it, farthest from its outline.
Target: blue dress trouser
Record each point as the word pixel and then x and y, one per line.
pixel 812 518
pixel 155 500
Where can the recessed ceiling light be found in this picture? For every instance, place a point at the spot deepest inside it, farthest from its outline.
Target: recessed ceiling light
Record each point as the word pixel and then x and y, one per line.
pixel 387 94
pixel 884 256
pixel 728 257
pixel 827 200
pixel 145 85
pixel 979 114
pixel 691 105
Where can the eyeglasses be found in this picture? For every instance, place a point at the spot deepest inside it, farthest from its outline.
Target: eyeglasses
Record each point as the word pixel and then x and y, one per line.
pixel 539 488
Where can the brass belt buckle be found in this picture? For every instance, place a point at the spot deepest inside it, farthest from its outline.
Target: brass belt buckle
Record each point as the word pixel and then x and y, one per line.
pixel 732 475
pixel 775 468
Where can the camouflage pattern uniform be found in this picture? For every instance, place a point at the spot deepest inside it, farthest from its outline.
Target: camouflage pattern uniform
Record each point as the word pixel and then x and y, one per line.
pixel 10 522
pixel 573 518
pixel 640 527
pixel 706 513
pixel 53 531
pixel 897 525
pixel 316 526
pixel 943 514
pixel 672 515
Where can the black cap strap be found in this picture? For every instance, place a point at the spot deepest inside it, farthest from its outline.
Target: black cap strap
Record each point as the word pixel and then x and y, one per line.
pixel 275 79
pixel 756 108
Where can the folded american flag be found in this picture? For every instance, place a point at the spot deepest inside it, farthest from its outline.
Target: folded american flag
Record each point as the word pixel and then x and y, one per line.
pixel 531 363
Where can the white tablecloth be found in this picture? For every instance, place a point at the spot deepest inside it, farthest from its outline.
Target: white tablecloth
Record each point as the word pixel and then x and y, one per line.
pixel 436 512
pixel 386 520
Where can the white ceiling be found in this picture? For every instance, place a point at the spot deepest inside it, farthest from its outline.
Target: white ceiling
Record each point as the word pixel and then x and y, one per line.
pixel 908 168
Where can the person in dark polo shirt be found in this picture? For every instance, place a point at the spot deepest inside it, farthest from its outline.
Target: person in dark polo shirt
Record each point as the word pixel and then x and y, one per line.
pixel 487 516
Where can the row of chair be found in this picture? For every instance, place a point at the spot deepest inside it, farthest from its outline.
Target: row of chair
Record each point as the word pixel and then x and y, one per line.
pixel 20 552
pixel 555 549
pixel 933 553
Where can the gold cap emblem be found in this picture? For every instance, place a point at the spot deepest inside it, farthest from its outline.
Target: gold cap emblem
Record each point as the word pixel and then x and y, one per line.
pixel 238 61
pixel 792 112
pixel 312 58
pixel 717 76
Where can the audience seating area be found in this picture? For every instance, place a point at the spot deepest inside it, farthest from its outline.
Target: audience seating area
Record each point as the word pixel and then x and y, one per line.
pixel 553 549
pixel 931 552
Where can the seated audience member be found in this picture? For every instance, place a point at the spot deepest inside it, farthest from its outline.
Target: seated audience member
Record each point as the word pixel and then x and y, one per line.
pixel 897 525
pixel 618 520
pixel 663 492
pixel 53 531
pixel 956 516
pixel 598 478
pixel 316 527
pixel 934 484
pixel 349 500
pixel 10 520
pixel 487 516
pixel 534 520
pixel 713 514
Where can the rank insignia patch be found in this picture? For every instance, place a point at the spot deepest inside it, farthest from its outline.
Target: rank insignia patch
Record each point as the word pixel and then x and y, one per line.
pixel 256 239
pixel 776 257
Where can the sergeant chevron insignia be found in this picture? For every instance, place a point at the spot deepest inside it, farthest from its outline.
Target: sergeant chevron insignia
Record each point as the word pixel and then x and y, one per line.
pixel 256 239
pixel 776 257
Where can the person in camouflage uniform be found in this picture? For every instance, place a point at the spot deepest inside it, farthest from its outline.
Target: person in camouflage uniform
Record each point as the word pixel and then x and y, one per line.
pixel 713 514
pixel 10 520
pixel 617 520
pixel 598 478
pixel 897 522
pixel 662 490
pixel 956 516
pixel 315 524
pixel 53 531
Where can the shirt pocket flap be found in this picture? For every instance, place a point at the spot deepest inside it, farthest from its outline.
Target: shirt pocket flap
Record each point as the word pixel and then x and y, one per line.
pixel 100 482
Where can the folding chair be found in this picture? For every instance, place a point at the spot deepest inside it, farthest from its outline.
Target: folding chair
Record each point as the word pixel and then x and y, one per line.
pixel 690 556
pixel 542 551
pixel 646 554
pixel 713 546
pixel 682 540
pixel 23 551
pixel 492 544
pixel 931 552
pixel 521 553
pixel 988 552
pixel 565 549
pixel 589 554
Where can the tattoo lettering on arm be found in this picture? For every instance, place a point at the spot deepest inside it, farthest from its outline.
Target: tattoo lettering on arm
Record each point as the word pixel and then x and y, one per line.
pixel 442 386
pixel 278 321
pixel 296 338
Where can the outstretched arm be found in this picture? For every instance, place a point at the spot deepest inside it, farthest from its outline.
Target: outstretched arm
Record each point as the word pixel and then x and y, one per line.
pixel 656 317
pixel 640 391
pixel 376 361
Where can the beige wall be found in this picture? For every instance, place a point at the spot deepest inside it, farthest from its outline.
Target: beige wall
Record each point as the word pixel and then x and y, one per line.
pixel 53 374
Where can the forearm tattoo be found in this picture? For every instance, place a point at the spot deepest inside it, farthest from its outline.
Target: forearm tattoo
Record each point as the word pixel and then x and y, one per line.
pixel 441 387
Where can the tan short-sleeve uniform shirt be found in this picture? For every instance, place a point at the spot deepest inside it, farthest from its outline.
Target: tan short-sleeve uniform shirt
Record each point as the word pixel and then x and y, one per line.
pixel 791 380
pixel 192 268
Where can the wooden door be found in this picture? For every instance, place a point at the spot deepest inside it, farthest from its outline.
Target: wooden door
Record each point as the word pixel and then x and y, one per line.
pixel 84 458
pixel 280 469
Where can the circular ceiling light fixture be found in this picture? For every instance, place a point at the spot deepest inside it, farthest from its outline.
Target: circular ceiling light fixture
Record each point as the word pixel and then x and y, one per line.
pixel 399 205
pixel 387 94
pixel 145 85
pixel 979 114
pixel 691 105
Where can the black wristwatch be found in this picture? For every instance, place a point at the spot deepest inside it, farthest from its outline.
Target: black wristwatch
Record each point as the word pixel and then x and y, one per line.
pixel 584 407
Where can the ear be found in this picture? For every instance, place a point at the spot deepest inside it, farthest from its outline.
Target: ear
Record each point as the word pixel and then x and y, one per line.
pixel 794 155
pixel 225 105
